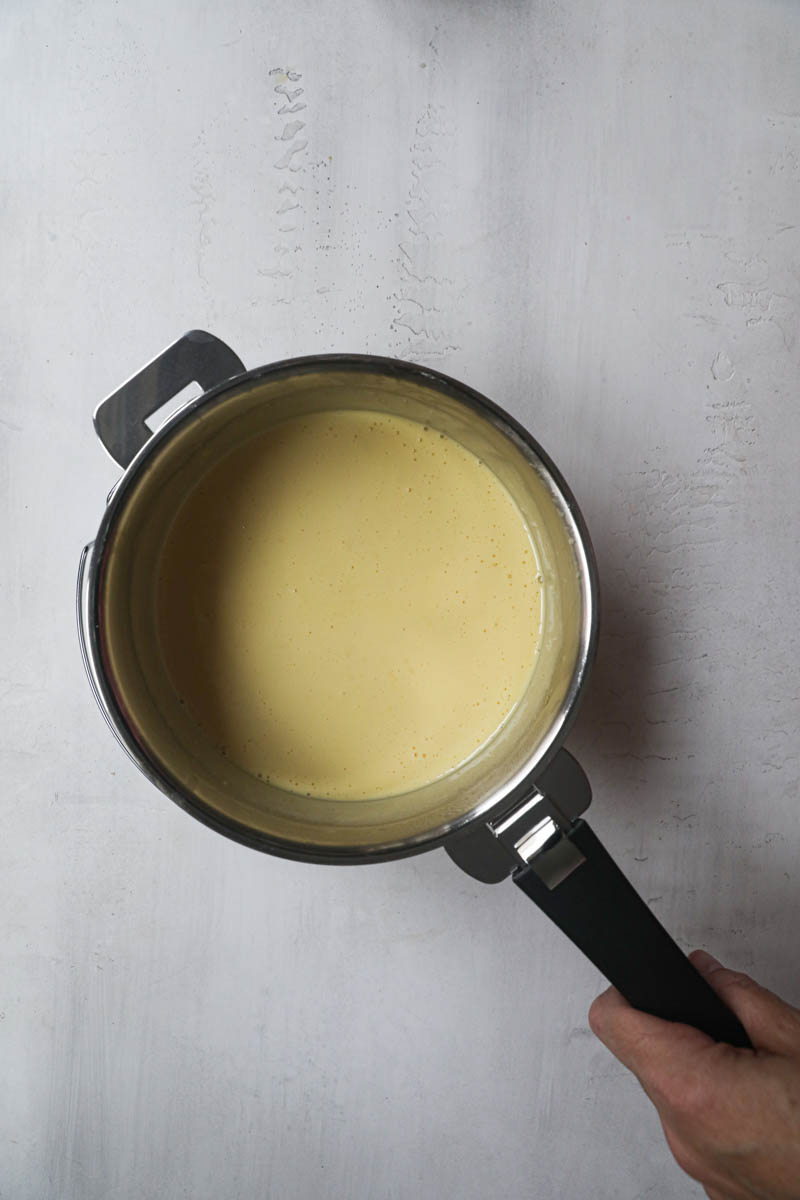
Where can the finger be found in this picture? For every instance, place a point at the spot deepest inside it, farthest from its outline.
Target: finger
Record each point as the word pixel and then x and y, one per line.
pixel 771 1023
pixel 643 1043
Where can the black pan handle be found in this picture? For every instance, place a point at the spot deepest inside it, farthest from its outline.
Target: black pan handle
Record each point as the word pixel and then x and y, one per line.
pixel 197 357
pixel 600 911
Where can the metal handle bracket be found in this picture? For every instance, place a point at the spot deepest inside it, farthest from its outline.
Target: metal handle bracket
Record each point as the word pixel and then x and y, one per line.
pixel 197 357
pixel 532 831
pixel 536 835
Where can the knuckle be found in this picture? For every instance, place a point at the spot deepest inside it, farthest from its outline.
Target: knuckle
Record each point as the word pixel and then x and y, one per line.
pixel 734 979
pixel 604 1015
pixel 687 1095
pixel 687 1158
pixel 596 1022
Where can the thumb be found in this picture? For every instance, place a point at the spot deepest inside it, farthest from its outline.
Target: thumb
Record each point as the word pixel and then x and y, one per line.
pixel 644 1044
pixel 771 1023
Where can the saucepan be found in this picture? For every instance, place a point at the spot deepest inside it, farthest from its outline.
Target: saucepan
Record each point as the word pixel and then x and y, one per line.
pixel 513 809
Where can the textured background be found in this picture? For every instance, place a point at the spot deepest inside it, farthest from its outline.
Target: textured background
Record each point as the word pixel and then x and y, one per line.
pixel 587 210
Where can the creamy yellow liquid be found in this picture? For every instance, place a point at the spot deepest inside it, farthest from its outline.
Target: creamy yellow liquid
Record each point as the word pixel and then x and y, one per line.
pixel 349 605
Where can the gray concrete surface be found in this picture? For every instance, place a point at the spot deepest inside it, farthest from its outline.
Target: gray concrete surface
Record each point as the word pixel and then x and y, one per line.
pixel 590 212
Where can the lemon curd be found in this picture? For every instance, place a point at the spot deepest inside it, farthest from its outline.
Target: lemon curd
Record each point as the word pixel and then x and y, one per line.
pixel 349 605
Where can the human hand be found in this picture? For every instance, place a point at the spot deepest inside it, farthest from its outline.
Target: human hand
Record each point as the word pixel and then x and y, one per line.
pixel 731 1117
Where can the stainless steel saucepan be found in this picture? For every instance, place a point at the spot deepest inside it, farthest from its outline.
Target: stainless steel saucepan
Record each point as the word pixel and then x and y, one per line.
pixel 513 809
